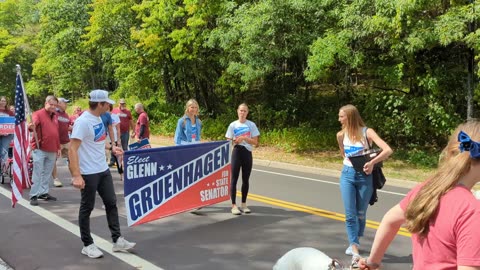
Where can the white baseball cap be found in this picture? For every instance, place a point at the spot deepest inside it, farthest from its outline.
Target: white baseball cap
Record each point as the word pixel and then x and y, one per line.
pixel 100 96
pixel 63 100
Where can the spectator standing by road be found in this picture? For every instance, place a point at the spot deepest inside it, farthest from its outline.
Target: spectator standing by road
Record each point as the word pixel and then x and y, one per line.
pixel 64 128
pixel 90 173
pixel 5 139
pixel 356 187
pixel 244 135
pixel 126 122
pixel 189 126
pixel 441 213
pixel 45 150
pixel 142 128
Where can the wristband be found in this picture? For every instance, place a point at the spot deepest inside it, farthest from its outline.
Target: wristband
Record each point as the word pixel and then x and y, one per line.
pixel 371 264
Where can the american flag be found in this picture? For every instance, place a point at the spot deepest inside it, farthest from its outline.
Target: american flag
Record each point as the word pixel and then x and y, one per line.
pixel 21 148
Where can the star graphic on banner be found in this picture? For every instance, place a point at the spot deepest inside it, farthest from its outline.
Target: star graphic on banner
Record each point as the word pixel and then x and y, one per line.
pixel 161 167
pixel 208 184
pixel 213 183
pixel 170 166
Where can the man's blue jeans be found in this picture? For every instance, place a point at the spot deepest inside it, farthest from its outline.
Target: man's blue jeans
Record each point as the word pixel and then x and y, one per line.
pixel 42 171
pixel 124 137
pixel 356 189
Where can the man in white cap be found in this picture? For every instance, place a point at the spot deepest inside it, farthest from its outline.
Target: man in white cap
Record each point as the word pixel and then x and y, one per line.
pixel 64 128
pixel 90 173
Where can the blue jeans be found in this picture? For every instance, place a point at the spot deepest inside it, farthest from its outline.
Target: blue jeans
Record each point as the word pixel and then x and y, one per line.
pixel 42 171
pixel 356 189
pixel 124 137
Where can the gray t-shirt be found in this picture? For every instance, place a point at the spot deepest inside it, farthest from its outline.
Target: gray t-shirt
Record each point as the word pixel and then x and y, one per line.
pixel 91 154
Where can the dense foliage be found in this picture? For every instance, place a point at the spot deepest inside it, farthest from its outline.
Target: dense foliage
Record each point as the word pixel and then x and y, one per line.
pixel 410 66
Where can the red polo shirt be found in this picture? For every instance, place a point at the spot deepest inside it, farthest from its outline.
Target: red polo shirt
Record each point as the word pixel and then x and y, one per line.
pixel 46 127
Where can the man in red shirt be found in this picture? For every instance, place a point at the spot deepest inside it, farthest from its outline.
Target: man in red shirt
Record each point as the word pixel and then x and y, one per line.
pixel 126 122
pixel 64 128
pixel 46 146
pixel 142 130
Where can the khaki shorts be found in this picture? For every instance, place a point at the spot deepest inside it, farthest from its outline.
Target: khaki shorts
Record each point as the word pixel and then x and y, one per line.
pixel 64 149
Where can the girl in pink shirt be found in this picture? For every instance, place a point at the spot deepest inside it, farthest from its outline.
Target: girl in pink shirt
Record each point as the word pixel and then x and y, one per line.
pixel 442 214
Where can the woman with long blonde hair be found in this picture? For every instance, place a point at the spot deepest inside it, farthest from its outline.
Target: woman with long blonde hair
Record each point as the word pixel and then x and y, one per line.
pixel 356 187
pixel 442 213
pixel 189 126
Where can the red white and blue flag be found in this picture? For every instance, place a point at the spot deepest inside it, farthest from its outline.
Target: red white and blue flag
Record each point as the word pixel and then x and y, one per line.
pixel 21 146
pixel 164 181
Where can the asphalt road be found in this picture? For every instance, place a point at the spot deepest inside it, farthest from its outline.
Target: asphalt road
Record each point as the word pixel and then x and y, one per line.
pixel 291 207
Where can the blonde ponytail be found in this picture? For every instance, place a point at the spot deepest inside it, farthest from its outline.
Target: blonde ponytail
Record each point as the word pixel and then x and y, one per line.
pixel 453 165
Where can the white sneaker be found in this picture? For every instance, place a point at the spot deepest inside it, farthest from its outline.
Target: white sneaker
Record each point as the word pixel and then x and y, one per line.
pixel 57 182
pixel 92 251
pixel 122 245
pixel 246 210
pixel 349 251
pixel 236 211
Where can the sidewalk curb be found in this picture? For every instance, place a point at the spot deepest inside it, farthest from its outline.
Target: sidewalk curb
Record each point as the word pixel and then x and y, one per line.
pixel 4 265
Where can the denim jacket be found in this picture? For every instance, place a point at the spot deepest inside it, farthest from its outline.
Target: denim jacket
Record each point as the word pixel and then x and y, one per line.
pixel 183 132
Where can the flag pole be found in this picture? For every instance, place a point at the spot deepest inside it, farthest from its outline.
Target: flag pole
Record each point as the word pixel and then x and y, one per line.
pixel 27 105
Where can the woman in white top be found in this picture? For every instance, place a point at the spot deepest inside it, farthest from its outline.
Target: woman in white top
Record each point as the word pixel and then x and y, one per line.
pixel 356 187
pixel 244 135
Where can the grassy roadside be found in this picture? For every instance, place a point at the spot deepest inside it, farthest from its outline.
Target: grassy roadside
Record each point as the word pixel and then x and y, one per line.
pixel 329 160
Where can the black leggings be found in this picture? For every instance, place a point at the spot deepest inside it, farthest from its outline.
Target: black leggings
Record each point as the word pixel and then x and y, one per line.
pixel 241 157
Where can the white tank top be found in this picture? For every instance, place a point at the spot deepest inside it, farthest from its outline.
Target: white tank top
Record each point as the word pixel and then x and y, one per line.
pixel 351 149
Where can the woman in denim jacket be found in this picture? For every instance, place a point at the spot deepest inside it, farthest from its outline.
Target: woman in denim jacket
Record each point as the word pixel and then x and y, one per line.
pixel 189 126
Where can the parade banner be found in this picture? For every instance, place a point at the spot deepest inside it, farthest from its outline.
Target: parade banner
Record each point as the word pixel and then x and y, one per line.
pixel 7 125
pixel 164 181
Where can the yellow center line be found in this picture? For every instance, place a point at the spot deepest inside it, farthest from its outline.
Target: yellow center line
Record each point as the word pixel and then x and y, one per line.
pixel 315 211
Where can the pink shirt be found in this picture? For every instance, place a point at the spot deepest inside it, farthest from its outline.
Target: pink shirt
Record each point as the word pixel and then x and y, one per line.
pixel 454 235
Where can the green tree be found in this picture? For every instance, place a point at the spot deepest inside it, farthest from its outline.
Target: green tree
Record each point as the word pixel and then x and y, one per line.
pixel 18 28
pixel 64 67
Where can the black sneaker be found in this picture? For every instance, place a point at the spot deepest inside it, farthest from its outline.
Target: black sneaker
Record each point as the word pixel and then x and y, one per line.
pixel 47 197
pixel 34 201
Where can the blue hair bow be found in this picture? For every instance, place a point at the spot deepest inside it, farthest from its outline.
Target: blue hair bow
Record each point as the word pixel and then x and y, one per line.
pixel 466 144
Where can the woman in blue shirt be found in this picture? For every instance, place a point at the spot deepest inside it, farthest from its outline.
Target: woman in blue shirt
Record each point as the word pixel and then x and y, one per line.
pixel 189 126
